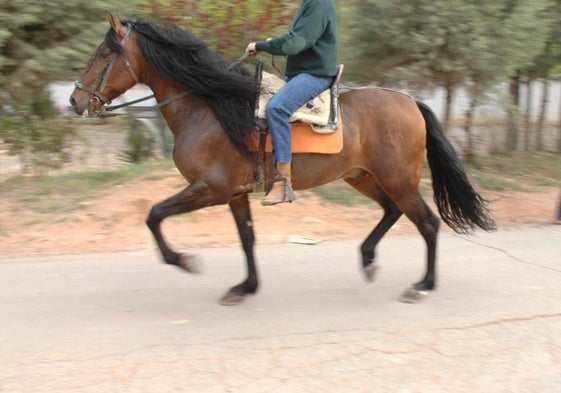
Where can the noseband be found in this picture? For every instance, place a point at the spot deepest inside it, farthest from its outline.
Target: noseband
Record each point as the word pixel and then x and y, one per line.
pixel 97 99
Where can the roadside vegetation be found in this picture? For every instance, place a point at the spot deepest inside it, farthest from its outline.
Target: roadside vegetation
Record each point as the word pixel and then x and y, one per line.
pixel 65 192
pixel 521 171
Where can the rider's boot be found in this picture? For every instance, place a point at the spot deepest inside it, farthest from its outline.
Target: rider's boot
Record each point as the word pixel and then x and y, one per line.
pixel 282 187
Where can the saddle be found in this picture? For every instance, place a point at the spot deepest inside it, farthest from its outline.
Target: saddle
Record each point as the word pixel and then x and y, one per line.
pixel 321 112
pixel 316 126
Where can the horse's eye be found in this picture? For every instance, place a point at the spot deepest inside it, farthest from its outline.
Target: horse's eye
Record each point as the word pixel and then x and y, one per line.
pixel 104 54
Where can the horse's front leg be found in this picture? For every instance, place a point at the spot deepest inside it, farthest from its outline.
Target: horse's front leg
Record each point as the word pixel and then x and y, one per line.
pixel 194 197
pixel 242 214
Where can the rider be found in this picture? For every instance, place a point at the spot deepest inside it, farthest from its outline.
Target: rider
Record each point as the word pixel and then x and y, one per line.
pixel 311 47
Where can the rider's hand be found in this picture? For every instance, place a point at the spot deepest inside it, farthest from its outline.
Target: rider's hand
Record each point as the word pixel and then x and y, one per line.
pixel 251 49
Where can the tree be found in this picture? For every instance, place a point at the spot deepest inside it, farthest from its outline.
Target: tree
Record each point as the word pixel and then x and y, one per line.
pixel 559 121
pixel 43 41
pixel 449 43
pixel 227 26
pixel 500 58
pixel 543 68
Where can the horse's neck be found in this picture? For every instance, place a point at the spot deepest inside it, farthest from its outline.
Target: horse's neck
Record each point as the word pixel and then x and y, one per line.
pixel 181 111
pixel 165 91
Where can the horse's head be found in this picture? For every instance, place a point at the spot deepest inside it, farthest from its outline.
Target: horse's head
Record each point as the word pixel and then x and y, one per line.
pixel 112 70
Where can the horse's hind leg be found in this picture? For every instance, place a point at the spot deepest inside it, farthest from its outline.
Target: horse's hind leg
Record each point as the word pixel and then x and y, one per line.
pixel 415 208
pixel 242 215
pixel 368 186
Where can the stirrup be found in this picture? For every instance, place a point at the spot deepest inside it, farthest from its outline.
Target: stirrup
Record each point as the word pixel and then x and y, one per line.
pixel 288 196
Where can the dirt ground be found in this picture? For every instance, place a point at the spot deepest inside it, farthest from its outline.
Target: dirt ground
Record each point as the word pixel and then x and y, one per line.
pixel 114 221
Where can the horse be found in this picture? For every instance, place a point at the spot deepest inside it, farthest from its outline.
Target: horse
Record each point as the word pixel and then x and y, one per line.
pixel 209 105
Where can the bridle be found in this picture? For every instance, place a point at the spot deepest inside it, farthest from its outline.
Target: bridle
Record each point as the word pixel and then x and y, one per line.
pixel 97 99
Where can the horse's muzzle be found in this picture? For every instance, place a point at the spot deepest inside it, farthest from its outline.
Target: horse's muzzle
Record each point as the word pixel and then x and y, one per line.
pixel 79 104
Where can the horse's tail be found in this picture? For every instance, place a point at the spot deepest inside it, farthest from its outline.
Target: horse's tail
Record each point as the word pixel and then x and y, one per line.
pixel 459 205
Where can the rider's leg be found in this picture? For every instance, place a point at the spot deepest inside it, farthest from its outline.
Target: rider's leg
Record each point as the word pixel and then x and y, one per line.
pixel 299 90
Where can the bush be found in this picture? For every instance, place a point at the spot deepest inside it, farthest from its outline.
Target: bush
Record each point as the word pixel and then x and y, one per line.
pixel 140 144
pixel 41 144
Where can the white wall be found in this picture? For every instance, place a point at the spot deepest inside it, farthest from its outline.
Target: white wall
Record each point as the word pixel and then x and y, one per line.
pixel 493 106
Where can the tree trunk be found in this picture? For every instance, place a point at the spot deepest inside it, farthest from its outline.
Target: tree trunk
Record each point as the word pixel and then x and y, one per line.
pixel 448 107
pixel 542 115
pixel 468 128
pixel 513 110
pixel 528 115
pixel 559 128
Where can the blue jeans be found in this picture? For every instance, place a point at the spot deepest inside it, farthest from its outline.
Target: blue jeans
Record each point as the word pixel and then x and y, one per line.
pixel 298 90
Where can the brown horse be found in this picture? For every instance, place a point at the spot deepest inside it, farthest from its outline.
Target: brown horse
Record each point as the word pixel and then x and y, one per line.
pixel 209 106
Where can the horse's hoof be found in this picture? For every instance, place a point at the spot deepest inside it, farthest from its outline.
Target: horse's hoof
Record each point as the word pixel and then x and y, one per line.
pixel 370 272
pixel 231 299
pixel 412 295
pixel 190 263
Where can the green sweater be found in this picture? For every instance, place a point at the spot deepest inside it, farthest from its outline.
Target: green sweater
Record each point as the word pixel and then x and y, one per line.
pixel 311 46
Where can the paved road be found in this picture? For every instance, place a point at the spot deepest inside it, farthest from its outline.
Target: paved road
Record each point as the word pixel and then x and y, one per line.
pixel 125 323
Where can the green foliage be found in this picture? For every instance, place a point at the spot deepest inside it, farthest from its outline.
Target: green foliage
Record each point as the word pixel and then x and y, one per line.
pixel 140 145
pixel 228 25
pixel 47 40
pixel 43 107
pixel 548 63
pixel 517 171
pixel 341 194
pixel 64 192
pixel 449 42
pixel 41 143
pixel 493 182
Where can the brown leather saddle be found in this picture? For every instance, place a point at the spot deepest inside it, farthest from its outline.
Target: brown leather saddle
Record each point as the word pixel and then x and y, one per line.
pixel 306 138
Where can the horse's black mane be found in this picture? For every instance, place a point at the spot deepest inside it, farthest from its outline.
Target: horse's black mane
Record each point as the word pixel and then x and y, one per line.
pixel 188 61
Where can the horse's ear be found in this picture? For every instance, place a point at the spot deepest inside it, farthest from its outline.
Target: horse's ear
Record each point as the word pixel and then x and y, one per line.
pixel 116 24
